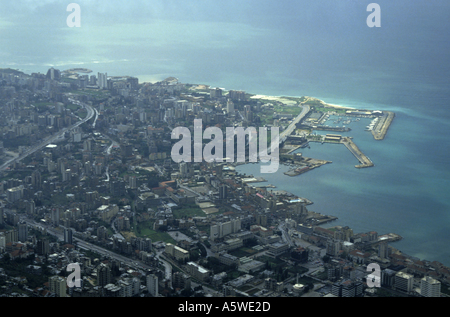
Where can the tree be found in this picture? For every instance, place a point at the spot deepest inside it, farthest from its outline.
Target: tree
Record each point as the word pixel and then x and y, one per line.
pixel 162 228
pixel 250 242
pixel 194 255
pixel 186 292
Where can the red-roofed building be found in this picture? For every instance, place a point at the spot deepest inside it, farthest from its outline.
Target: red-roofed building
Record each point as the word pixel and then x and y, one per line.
pixel 413 268
pixel 359 256
pixel 324 232
pixel 159 190
pixel 167 183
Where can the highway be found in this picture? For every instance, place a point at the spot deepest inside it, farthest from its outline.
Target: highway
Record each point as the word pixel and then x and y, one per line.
pixel 288 131
pixel 275 143
pixel 294 122
pixel 137 264
pixel 96 117
pixel 52 138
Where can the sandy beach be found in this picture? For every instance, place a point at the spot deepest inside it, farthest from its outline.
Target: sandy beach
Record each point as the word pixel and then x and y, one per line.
pixel 293 102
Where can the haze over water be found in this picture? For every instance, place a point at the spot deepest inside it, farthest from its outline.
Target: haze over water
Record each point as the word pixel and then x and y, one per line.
pixel 319 48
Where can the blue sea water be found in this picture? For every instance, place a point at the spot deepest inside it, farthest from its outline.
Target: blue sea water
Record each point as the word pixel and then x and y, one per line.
pixel 404 193
pixel 317 48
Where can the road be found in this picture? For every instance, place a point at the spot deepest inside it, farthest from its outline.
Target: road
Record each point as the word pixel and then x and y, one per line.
pixel 189 190
pixel 96 117
pixel 275 143
pixel 159 170
pixel 285 235
pixel 294 122
pixel 138 265
pixel 52 138
pixel 108 152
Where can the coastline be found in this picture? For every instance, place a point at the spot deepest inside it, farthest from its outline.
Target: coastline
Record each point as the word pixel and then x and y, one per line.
pixel 378 134
pixel 328 219
pixel 288 100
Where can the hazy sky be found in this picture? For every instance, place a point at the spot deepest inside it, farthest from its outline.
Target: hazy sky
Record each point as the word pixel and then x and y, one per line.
pixel 210 37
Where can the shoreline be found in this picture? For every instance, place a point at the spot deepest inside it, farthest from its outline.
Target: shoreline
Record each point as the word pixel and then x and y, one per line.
pixel 331 218
pixel 282 99
pixel 287 100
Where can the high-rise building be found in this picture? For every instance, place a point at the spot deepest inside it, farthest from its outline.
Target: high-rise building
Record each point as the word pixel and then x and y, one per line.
pixel 12 218
pixel 2 243
pixel 53 74
pixel 383 250
pixel 126 288
pixel 92 80
pixel 152 284
pixel 15 193
pixel 58 286
pixel 103 275
pixel 36 179
pixel 117 188
pixel 404 282
pixel 261 219
pixel 223 192
pixel 68 236
pixel 98 168
pixel 222 229
pixel 43 246
pixel 127 149
pixel 23 231
pixel 134 82
pixel 55 216
pixel 388 277
pixel 430 287
pixel 236 95
pixel 66 175
pixel 31 207
pixel 248 113
pixel 11 236
pixel 333 247
pixel 102 80
pixel 102 233
pixel 181 280
pixel 183 169
pixel 230 108
pixel 215 93
pixel 87 145
pixel 133 182
pixel 347 288
pixel 136 282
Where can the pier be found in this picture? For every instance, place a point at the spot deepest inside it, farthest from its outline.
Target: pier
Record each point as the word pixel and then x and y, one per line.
pixel 335 129
pixel 380 130
pixel 350 145
pixel 362 158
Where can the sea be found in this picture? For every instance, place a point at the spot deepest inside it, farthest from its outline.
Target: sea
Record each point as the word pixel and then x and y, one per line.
pixel 323 49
